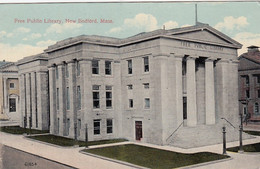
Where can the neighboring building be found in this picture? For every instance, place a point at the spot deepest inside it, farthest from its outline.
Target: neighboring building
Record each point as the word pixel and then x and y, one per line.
pixel 9 91
pixel 34 92
pixel 249 84
pixel 141 88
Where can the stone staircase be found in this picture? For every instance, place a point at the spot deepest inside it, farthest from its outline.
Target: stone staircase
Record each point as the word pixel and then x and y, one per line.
pixel 203 135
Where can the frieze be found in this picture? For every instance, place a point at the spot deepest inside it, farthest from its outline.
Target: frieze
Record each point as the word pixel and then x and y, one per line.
pixel 201 46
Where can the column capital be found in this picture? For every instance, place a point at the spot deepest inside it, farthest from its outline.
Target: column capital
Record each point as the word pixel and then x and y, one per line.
pixel 192 57
pixel 178 56
pixel 224 60
pixel 50 67
pixel 210 59
pixel 71 61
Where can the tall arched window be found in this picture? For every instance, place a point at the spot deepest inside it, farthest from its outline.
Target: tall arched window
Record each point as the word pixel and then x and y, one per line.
pixel 256 108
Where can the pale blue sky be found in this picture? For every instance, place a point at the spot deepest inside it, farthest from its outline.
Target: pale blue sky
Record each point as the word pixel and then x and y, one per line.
pixel 239 20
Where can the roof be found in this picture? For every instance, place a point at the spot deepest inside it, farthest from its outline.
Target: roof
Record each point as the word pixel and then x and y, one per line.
pixel 252 55
pixel 141 37
pixel 3 63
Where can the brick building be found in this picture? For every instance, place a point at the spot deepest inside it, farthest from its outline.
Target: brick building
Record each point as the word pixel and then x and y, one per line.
pixel 161 87
pixel 249 84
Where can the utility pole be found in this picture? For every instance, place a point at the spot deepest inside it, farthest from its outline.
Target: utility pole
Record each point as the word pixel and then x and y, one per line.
pixel 224 141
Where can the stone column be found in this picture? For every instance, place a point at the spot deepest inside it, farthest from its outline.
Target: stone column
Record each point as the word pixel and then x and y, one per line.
pixel 33 105
pixel 191 92
pixel 62 100
pixel 72 95
pixel 178 88
pixel 28 96
pixel 5 97
pixel 52 91
pixel 22 97
pixel 209 91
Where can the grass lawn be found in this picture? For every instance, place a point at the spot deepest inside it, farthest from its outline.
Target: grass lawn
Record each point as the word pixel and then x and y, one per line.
pixel 20 130
pixel 63 141
pixel 247 148
pixel 154 158
pixel 256 133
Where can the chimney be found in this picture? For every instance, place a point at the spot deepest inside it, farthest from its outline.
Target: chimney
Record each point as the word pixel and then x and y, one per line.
pixel 252 48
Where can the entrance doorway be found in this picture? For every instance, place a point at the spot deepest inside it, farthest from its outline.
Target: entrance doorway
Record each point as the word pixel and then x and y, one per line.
pixel 138 130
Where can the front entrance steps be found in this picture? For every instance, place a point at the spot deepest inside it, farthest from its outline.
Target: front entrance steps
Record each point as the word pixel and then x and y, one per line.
pixel 203 135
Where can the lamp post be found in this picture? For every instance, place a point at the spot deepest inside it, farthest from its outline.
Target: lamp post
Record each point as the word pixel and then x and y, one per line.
pixel 224 141
pixel 86 135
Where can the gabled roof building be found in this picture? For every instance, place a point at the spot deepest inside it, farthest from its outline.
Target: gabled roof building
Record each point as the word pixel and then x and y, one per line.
pixel 175 87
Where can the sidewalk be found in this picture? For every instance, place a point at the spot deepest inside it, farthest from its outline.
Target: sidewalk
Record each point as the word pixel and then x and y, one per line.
pixel 72 157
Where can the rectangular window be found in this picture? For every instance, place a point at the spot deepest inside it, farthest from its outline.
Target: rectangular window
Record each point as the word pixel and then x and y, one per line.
pixel 258 79
pixel 247 80
pixel 95 89
pixel 95 67
pixel 146 64
pixel 247 93
pixel 67 98
pixel 57 98
pixel 58 125
pixel 96 127
pixel 12 105
pixel 147 103
pixel 108 97
pixel 130 87
pixel 57 72
pixel 78 68
pixel 130 68
pixel 146 85
pixel 79 97
pixel 109 126
pixel 258 93
pixel 78 127
pixel 11 85
pixel 131 103
pixel 108 68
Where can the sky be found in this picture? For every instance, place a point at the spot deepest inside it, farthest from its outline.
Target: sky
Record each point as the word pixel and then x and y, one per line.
pixel 28 29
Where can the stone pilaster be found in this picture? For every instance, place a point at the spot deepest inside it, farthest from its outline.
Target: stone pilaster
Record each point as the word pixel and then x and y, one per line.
pixel 22 102
pixel 28 101
pixel 86 90
pixel 191 92
pixel 33 100
pixel 52 91
pixel 62 100
pixel 72 93
pixel 178 88
pixel 209 91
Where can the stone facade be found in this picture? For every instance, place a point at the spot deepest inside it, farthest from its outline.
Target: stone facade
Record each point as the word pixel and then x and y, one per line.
pixel 249 85
pixel 9 92
pixel 157 87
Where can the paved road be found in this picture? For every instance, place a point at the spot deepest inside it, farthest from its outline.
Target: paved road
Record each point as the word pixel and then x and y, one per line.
pixel 17 159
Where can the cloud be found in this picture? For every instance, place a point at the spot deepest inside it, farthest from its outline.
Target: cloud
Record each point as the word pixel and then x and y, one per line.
pixel 22 30
pixel 247 39
pixel 142 23
pixel 33 36
pixel 14 53
pixel 5 34
pixel 171 25
pixel 145 21
pixel 231 23
pixel 186 25
pixel 61 28
pixel 45 43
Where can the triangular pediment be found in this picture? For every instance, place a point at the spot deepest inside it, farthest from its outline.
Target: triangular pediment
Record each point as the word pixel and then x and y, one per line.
pixel 10 67
pixel 204 34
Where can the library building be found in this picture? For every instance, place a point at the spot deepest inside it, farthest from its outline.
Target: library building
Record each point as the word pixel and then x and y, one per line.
pixel 166 87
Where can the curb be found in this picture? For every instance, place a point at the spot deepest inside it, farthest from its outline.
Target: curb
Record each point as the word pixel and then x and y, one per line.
pixel 49 144
pixel 113 160
pixel 206 163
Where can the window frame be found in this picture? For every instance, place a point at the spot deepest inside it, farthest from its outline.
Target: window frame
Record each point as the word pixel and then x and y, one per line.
pixel 146 65
pixel 147 106
pixel 96 96
pixel 78 97
pixel 95 68
pixel 130 103
pixel 256 108
pixel 108 70
pixel 109 96
pixel 109 126
pixel 130 66
pixel 96 128
pixel 11 86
